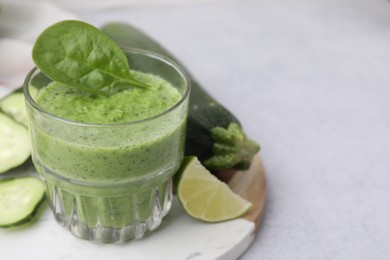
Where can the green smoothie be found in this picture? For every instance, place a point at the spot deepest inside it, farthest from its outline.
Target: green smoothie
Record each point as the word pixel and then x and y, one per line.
pixel 103 169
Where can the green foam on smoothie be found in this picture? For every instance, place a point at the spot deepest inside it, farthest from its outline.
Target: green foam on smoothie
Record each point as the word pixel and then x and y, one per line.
pixel 129 105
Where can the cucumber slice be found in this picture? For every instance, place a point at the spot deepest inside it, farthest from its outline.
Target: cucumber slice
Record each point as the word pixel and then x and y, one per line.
pixel 14 105
pixel 20 199
pixel 14 144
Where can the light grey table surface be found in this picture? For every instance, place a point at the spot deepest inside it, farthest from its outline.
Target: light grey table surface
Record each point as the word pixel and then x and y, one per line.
pixel 309 80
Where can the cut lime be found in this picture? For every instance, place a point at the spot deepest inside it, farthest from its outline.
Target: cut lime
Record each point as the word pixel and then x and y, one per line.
pixel 205 197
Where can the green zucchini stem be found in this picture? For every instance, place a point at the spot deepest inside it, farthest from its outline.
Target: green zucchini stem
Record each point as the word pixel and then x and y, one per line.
pixel 231 149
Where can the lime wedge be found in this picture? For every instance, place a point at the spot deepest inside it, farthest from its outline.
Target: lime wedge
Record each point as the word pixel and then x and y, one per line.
pixel 205 197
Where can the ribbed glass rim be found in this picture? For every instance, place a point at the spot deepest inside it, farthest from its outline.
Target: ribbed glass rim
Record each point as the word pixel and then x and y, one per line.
pixel 181 71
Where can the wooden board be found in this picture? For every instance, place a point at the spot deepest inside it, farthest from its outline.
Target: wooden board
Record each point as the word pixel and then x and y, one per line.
pixel 251 185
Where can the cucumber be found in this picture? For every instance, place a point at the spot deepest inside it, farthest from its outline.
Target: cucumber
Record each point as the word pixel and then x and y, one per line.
pixel 14 144
pixel 14 105
pixel 214 134
pixel 20 199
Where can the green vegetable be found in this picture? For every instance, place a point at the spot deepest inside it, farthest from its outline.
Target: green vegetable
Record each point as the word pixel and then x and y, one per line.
pixel 14 137
pixel 80 55
pixel 20 199
pixel 14 144
pixel 14 105
pixel 214 134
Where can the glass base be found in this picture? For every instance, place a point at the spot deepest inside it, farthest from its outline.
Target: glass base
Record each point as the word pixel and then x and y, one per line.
pixel 110 219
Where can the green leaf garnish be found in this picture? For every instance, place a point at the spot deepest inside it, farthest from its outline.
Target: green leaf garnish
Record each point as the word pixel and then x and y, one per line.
pixel 81 56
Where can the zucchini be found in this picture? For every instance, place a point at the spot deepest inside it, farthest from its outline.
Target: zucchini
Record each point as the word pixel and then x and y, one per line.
pixel 14 144
pixel 214 134
pixel 20 199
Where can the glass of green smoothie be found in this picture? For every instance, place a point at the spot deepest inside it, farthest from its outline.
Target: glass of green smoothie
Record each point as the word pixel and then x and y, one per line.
pixel 107 160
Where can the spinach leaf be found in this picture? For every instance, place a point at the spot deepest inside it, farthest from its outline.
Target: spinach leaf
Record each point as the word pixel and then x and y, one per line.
pixel 81 56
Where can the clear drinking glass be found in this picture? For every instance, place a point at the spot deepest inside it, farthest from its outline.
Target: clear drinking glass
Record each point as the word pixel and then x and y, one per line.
pixel 110 182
